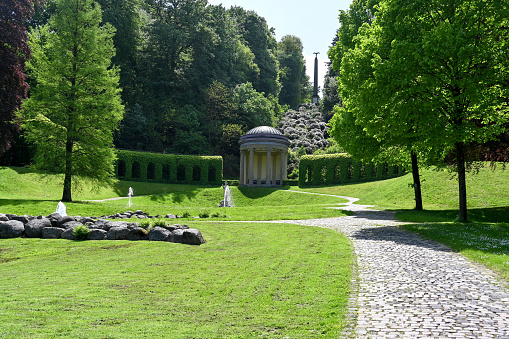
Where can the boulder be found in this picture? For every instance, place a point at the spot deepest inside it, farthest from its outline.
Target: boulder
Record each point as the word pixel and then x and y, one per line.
pixel 52 232
pixel 137 233
pixel 176 236
pixel 158 234
pixel 84 220
pixel 118 233
pixel 11 229
pixel 97 234
pixel 170 216
pixel 33 228
pixel 22 218
pixel 68 234
pixel 103 224
pixel 3 217
pixel 192 236
pixel 60 222
pixel 71 224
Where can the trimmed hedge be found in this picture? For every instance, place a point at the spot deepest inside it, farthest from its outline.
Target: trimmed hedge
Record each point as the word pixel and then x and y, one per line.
pixel 169 168
pixel 333 169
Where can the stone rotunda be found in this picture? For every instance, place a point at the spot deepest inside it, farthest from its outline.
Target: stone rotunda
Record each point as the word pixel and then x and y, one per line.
pixel 263 157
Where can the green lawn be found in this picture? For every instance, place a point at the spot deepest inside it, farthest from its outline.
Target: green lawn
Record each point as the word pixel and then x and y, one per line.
pixel 247 281
pixel 24 192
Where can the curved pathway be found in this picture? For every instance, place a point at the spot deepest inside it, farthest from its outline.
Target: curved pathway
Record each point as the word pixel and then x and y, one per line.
pixel 410 287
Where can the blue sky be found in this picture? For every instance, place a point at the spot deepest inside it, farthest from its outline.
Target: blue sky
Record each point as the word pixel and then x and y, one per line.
pixel 314 22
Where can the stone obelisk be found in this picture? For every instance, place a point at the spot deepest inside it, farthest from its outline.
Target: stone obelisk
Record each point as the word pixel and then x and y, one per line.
pixel 315 83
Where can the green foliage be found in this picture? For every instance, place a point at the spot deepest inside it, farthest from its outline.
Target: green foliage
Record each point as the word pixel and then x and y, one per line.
pixel 155 167
pixel 81 232
pixel 75 106
pixel 145 223
pixel 331 169
pixel 160 223
pixel 295 85
pixel 204 214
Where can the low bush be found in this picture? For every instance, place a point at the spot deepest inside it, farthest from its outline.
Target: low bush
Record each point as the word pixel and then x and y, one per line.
pixel 81 232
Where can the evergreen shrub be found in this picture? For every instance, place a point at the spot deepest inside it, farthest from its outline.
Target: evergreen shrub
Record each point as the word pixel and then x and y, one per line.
pixel 333 169
pixel 157 167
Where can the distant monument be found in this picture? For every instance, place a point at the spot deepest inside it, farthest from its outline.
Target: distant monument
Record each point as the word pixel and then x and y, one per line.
pixel 315 86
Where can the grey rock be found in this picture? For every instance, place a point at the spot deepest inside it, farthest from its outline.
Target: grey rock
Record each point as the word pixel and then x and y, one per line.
pixel 192 236
pixel 176 236
pixel 118 233
pixel 68 234
pixel 84 220
pixel 137 233
pixel 103 224
pixel 3 217
pixel 33 228
pixel 22 218
pixel 52 232
pixel 61 221
pixel 170 216
pixel 11 229
pixel 158 234
pixel 97 234
pixel 71 224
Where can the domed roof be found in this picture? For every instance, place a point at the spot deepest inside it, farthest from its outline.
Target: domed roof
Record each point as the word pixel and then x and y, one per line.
pixel 264 130
pixel 264 135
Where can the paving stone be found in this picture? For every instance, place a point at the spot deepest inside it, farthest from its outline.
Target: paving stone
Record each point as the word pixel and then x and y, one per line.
pixel 422 288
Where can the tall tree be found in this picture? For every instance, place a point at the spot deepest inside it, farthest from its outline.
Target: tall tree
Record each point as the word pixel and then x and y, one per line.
pixel 76 105
pixel 260 39
pixel 346 128
pixel 435 70
pixel 295 86
pixel 14 51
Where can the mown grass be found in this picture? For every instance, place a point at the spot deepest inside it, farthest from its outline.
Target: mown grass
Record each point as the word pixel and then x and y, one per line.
pixel 247 281
pixel 24 192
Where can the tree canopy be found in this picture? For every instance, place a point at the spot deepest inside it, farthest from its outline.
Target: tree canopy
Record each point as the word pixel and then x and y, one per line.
pixel 430 76
pixel 75 105
pixel 14 51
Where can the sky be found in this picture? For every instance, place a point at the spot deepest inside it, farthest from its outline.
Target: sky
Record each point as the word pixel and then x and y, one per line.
pixel 314 22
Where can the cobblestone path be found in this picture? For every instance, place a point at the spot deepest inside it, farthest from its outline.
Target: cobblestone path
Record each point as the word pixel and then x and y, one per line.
pixel 410 287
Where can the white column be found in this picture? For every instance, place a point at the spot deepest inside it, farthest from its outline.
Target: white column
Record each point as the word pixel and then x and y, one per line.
pixel 283 166
pixel 268 181
pixel 242 175
pixel 251 166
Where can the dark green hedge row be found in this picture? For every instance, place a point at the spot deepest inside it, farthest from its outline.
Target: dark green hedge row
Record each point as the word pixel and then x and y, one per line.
pixel 169 168
pixel 332 169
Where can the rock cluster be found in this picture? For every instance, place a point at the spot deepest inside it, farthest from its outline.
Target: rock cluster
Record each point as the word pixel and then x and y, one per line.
pixel 56 226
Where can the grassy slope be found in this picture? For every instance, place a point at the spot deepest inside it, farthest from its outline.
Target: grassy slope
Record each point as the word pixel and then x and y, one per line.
pixel 485 239
pixel 248 280
pixel 487 189
pixel 24 192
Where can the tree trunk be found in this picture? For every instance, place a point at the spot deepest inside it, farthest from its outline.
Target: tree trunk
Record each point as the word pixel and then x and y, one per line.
pixel 66 195
pixel 417 182
pixel 460 162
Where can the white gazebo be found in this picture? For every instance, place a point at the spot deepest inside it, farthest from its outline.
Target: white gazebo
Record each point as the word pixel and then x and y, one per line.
pixel 263 157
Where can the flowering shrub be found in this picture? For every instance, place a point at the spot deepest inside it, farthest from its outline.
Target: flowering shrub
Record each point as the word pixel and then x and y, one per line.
pixel 307 132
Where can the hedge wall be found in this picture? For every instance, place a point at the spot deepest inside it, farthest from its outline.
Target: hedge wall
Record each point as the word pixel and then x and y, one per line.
pixel 169 168
pixel 332 169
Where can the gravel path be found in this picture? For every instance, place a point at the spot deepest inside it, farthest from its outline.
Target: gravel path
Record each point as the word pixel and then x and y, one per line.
pixel 410 287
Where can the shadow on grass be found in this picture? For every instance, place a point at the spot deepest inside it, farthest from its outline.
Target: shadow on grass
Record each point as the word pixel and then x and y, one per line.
pixel 178 192
pixel 256 192
pixel 494 214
